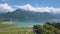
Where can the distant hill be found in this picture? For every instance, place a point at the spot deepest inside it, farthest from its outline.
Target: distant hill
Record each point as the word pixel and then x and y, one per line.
pixel 26 15
pixel 57 15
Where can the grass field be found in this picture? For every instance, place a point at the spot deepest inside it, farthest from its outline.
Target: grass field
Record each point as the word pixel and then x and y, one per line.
pixel 15 33
pixel 12 29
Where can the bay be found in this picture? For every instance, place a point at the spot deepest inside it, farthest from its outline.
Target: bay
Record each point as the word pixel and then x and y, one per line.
pixel 29 23
pixel 23 24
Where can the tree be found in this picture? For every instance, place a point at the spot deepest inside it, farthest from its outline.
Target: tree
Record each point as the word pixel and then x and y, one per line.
pixel 48 28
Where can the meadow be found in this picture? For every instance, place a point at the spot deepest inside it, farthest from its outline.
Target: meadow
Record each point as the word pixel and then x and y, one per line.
pixel 13 29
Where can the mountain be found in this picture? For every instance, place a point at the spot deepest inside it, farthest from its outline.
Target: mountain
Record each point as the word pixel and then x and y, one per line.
pixel 57 15
pixel 26 15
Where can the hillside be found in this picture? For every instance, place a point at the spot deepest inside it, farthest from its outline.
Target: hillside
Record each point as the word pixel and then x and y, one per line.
pixel 26 15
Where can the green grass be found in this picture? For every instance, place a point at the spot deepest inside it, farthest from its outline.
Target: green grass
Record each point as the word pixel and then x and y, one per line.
pixel 13 27
pixel 16 32
pixel 7 25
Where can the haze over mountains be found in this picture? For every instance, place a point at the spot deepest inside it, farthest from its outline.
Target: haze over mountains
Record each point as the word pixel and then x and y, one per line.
pixel 29 13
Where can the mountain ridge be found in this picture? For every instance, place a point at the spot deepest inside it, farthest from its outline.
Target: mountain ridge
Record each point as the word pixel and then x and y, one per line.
pixel 26 15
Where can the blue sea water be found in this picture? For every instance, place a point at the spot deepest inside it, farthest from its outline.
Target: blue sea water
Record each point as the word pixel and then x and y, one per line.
pixel 29 23
pixel 23 24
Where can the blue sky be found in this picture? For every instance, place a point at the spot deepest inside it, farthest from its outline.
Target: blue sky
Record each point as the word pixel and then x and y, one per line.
pixel 40 3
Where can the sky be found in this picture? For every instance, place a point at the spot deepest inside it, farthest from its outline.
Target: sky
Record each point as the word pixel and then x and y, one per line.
pixel 37 5
pixel 41 3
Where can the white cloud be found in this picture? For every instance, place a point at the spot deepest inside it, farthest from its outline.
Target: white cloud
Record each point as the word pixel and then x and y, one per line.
pixel 39 9
pixel 5 8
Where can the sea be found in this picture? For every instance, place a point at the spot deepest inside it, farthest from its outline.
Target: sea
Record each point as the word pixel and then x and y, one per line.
pixel 29 23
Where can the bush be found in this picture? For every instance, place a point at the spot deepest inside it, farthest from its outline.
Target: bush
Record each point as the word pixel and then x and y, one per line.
pixel 48 28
